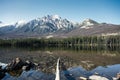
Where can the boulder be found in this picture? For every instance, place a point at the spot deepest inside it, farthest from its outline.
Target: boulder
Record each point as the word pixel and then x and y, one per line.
pixel 16 64
pixel 28 65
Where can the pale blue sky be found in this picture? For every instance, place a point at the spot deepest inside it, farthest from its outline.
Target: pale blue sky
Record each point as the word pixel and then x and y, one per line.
pixel 74 10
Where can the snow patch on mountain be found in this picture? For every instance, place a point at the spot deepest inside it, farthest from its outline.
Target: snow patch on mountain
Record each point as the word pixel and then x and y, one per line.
pixel 110 34
pixel 4 24
pixel 49 36
pixel 20 23
pixel 86 27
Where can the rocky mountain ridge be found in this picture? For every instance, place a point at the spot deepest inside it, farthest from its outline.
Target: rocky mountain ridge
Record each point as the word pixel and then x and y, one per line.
pixel 55 26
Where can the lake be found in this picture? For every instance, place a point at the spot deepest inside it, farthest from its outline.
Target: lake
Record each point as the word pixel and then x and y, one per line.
pixel 81 62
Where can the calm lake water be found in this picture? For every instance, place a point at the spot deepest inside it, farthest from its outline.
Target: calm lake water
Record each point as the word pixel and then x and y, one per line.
pixel 78 62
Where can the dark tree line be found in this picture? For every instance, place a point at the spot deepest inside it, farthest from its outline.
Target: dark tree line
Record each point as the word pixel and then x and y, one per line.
pixel 86 42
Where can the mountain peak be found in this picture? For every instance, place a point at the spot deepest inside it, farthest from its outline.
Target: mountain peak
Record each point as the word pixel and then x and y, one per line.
pixel 55 16
pixel 88 22
pixel 49 17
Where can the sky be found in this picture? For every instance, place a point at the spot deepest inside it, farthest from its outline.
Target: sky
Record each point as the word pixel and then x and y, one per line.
pixel 107 11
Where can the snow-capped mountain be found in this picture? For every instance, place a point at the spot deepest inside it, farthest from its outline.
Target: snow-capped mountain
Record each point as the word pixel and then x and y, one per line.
pixel 94 29
pixel 46 24
pixel 87 23
pixel 53 21
pixel 40 26
pixel 55 26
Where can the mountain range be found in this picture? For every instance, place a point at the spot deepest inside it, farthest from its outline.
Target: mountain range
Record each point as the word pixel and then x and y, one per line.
pixel 55 26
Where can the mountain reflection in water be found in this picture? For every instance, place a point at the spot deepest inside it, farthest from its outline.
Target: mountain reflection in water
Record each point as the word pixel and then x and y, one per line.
pixel 78 62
